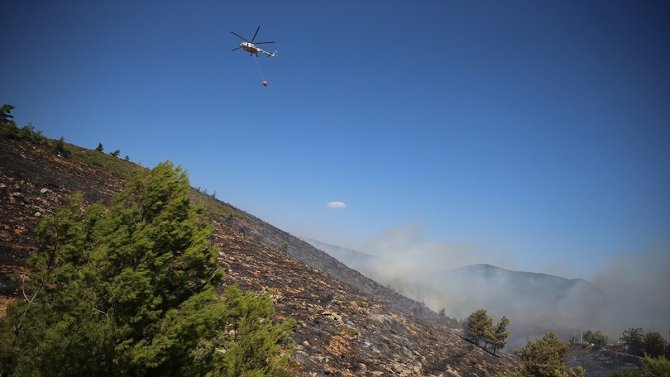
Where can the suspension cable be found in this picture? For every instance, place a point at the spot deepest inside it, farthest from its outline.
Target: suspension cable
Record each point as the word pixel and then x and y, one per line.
pixel 259 68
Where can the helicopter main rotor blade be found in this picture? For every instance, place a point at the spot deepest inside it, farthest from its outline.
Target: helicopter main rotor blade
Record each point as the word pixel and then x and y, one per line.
pixel 236 49
pixel 239 36
pixel 256 33
pixel 260 43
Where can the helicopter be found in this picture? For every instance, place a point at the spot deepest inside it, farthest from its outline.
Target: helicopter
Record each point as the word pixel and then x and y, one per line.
pixel 252 47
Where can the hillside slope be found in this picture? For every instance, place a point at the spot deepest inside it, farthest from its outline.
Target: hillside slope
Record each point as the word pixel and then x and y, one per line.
pixel 348 325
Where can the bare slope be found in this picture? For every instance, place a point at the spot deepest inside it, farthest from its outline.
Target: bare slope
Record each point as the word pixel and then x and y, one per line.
pixel 347 325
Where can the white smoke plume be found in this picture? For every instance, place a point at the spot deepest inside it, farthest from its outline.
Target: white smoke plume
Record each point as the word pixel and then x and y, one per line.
pixel 638 291
pixel 630 290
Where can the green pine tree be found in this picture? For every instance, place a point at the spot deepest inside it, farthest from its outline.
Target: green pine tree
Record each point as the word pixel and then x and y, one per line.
pixel 633 340
pixel 654 344
pixel 498 336
pixel 130 290
pixel 6 116
pixel 478 325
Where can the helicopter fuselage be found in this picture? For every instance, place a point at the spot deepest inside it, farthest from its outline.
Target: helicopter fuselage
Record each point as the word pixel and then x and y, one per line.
pixel 255 50
pixel 250 48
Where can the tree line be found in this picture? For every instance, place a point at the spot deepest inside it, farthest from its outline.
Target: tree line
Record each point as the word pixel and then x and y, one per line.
pixel 545 357
pixel 640 343
pixel 29 133
pixel 634 340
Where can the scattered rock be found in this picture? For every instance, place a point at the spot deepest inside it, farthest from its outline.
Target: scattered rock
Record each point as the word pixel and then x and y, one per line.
pixel 452 372
pixel 334 316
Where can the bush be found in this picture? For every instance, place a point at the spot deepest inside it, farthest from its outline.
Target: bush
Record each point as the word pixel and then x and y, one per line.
pixel 544 357
pixel 652 367
pixel 28 132
pixel 597 338
pixel 479 326
pixel 61 148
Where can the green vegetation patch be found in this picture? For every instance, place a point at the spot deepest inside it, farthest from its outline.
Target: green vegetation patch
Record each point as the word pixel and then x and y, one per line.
pixel 479 327
pixel 545 357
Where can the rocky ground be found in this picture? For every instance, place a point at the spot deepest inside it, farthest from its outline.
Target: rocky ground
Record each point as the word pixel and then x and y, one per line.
pixel 347 325
pixel 32 183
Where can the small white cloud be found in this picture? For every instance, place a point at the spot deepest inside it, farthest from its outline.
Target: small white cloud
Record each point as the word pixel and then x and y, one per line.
pixel 336 205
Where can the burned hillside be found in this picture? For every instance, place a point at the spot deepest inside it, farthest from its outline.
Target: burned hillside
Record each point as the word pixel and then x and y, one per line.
pixel 347 325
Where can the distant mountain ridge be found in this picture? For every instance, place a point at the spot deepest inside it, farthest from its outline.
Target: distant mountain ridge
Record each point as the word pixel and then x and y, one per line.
pixel 525 282
pixel 535 302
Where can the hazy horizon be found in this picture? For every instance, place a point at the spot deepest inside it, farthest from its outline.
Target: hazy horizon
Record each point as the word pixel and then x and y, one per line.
pixel 631 290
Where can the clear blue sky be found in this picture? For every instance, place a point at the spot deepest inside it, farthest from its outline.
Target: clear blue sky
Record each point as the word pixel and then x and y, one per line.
pixel 539 130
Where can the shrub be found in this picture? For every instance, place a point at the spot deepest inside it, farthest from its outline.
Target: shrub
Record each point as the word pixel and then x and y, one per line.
pixel 597 338
pixel 61 148
pixel 544 357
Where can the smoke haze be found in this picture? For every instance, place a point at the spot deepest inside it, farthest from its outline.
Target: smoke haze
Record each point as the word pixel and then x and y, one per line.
pixel 638 290
pixel 629 290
